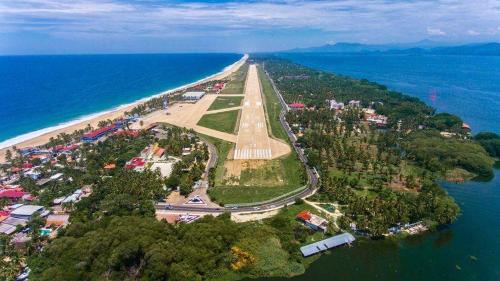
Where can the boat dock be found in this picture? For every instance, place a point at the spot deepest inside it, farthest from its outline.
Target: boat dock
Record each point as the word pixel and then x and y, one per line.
pixel 323 245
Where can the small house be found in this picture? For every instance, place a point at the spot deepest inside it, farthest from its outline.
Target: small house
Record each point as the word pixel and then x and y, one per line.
pixel 313 221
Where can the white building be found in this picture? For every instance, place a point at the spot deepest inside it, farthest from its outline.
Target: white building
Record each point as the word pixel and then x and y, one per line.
pixel 334 105
pixel 355 103
pixel 193 95
pixel 26 212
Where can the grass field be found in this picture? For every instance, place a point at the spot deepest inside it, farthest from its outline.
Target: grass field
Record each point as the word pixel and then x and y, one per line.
pixel 272 107
pixel 273 179
pixel 236 194
pixel 225 102
pixel 222 121
pixel 290 212
pixel 277 177
pixel 237 83
pixel 223 148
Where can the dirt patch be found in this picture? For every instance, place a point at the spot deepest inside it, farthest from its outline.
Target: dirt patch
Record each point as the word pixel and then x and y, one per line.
pixel 175 198
pixel 253 173
pixel 253 216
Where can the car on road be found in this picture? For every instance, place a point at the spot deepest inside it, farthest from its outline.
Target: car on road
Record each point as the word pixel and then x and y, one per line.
pixel 256 208
pixel 168 207
pixel 234 208
pixel 272 206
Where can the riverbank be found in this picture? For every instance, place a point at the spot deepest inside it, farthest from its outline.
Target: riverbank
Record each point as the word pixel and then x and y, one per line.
pixel 41 137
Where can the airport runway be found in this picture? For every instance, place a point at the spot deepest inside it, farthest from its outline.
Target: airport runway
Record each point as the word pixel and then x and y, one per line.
pixel 253 141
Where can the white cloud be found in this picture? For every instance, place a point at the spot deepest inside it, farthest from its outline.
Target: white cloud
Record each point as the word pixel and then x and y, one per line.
pixel 435 31
pixel 396 20
pixel 473 32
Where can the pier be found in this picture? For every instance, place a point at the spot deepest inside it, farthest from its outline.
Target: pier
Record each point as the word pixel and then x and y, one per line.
pixel 323 245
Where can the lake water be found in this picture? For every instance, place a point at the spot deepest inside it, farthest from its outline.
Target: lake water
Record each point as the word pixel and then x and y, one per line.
pixel 468 86
pixel 466 250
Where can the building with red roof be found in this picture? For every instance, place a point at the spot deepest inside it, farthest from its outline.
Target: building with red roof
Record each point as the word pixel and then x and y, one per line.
pixel 304 216
pixel 64 148
pixel 312 221
pixel 465 126
pixel 12 194
pixel 130 133
pixel 136 163
pixel 101 132
pixel 297 105
pixel 4 213
pixel 218 86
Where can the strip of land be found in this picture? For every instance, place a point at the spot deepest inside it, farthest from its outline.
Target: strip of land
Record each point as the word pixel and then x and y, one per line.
pixel 252 141
pixel 229 101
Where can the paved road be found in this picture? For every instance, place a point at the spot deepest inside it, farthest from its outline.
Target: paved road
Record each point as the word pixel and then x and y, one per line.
pixel 214 157
pixel 253 141
pixel 311 174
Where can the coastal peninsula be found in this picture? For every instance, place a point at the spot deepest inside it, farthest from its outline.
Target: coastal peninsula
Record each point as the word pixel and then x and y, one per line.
pixel 172 191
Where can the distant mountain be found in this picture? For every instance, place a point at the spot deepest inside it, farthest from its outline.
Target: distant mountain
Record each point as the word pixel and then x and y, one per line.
pixel 422 47
pixel 342 48
pixel 488 49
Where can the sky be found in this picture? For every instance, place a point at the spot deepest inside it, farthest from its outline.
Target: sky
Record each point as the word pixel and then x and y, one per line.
pixel 152 26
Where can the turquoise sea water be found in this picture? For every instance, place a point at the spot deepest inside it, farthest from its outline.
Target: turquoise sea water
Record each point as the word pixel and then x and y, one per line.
pixel 37 92
pixel 466 250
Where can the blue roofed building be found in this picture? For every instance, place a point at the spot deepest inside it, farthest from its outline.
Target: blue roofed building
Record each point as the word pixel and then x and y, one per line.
pixel 323 245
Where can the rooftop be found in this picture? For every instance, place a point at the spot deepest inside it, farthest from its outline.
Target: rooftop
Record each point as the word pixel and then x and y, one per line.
pixel 95 133
pixel 198 94
pixel 14 193
pixel 326 244
pixel 57 220
pixel 27 210
pixel 7 228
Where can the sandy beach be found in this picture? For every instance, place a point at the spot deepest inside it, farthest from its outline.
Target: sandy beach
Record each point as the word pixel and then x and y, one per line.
pixel 252 140
pixel 112 114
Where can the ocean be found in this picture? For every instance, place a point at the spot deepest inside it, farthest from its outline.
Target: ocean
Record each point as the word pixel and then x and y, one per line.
pixel 466 250
pixel 41 92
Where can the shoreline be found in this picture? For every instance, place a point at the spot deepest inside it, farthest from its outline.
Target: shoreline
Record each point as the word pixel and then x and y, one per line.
pixel 42 136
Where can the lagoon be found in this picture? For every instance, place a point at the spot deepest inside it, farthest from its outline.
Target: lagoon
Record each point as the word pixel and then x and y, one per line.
pixel 466 250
